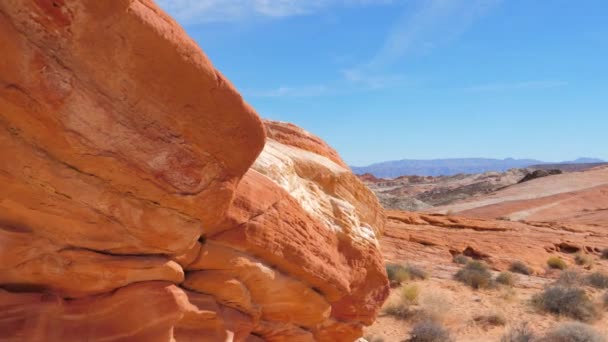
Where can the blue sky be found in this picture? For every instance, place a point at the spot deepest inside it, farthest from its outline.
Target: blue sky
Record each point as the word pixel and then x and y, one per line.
pixel 384 80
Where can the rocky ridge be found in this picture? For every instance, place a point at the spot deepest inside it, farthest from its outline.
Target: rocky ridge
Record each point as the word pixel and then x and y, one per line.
pixel 129 210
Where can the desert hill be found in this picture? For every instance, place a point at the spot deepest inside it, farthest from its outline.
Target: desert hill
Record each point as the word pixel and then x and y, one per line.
pixel 454 166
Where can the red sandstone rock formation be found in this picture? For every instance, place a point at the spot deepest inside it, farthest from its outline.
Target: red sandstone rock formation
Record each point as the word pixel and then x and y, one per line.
pixel 128 211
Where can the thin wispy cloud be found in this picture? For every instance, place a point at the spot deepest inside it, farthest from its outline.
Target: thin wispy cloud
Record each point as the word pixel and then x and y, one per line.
pixel 192 12
pixel 506 86
pixel 433 25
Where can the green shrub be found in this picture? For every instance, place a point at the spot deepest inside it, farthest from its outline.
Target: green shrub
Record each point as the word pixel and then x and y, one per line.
pixel 583 260
pixel 429 331
pixel 569 279
pixel 397 274
pixel 598 280
pixel 568 301
pixel 519 333
pixel 604 254
pixel 557 263
pixel 520 267
pixel 574 332
pixel 475 274
pixel 506 278
pixel 416 272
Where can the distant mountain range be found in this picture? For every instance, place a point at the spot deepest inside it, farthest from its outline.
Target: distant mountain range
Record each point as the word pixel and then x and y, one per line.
pixel 449 167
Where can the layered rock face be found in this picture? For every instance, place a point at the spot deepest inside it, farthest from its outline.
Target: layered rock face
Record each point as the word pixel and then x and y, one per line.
pixel 129 211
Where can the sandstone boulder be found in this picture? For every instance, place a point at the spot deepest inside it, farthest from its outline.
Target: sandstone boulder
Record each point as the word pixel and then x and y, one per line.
pixel 129 211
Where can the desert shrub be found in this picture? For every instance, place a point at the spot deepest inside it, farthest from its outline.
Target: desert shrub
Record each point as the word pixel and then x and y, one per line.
pixel 520 267
pixel 475 274
pixel 568 301
pixel 416 272
pixel 370 338
pixel 598 280
pixel 605 300
pixel 604 253
pixel 399 310
pixel 461 259
pixel 519 333
pixel 429 331
pixel 397 274
pixel 573 332
pixel 557 263
pixel 569 279
pixel 583 260
pixel 494 319
pixel 434 305
pixel 506 278
pixel 410 293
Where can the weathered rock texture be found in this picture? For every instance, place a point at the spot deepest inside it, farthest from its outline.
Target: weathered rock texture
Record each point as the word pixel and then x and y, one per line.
pixel 128 211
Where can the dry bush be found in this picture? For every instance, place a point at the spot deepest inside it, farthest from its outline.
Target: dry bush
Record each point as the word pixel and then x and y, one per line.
pixel 494 319
pixel 434 305
pixel 557 263
pixel 429 331
pixel 409 294
pixel 598 280
pixel 605 300
pixel 568 301
pixel 370 338
pixel 506 278
pixel 569 279
pixel 400 311
pixel 519 333
pixel 416 272
pixel 461 259
pixel 397 274
pixel 402 308
pixel 583 260
pixel 520 267
pixel 573 332
pixel 475 274
pixel 604 254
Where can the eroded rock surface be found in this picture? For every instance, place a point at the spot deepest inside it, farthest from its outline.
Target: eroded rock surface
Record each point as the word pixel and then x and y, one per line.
pixel 129 211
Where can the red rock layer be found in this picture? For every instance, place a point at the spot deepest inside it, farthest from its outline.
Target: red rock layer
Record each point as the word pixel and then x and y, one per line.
pixel 292 135
pixel 123 216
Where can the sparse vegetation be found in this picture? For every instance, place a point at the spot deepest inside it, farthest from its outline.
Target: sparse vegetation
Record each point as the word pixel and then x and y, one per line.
pixel 569 279
pixel 604 253
pixel 494 319
pixel 369 338
pixel 519 333
pixel 402 308
pixel 506 278
pixel 520 267
pixel 397 274
pixel 598 280
pixel 461 259
pixel 475 274
pixel 409 294
pixel 434 305
pixel 573 332
pixel 568 301
pixel 416 272
pixel 583 260
pixel 557 263
pixel 605 300
pixel 429 331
